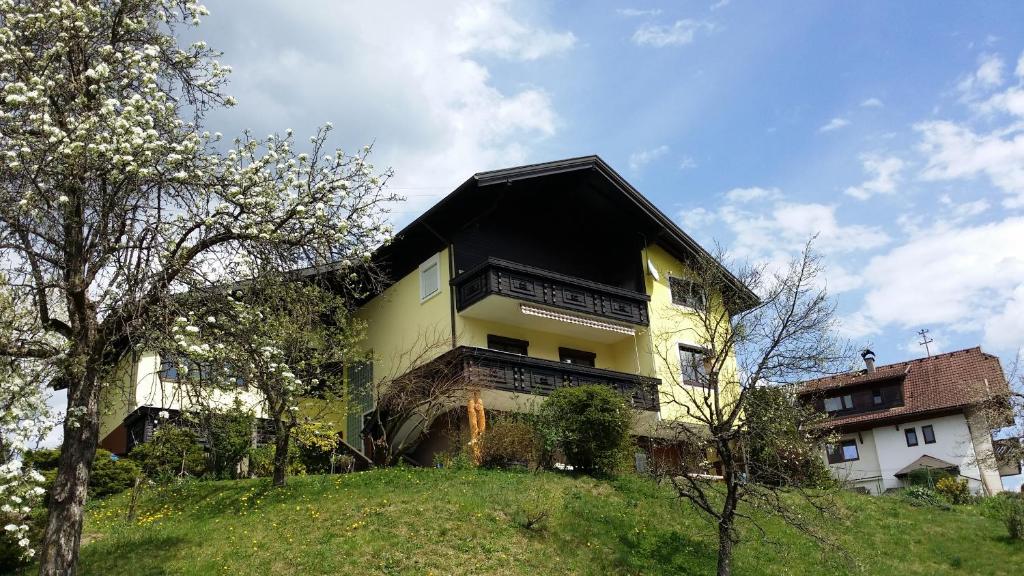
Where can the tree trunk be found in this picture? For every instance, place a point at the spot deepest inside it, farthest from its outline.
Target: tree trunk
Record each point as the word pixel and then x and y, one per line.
pixel 59 552
pixel 725 548
pixel 281 436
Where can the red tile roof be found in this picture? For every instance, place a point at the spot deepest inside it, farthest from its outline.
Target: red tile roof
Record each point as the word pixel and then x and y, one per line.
pixel 941 383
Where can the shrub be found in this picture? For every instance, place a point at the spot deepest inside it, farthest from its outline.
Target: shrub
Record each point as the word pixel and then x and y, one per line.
pixel 927 477
pixel 315 445
pixel 1015 518
pixel 261 462
pixel 510 441
pixel 172 452
pixel 111 474
pixel 590 425
pixel 781 449
pixel 228 439
pixel 954 490
pixel 921 496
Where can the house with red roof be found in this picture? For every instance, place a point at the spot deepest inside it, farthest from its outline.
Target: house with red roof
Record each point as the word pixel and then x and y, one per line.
pixel 934 413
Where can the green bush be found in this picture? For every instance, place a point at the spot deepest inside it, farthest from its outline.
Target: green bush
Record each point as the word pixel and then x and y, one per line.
pixel 1015 518
pixel 590 426
pixel 111 474
pixel 228 439
pixel 510 441
pixel 171 453
pixel 261 462
pixel 924 497
pixel 954 490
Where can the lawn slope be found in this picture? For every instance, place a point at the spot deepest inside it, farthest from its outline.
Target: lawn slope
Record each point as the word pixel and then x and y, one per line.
pixel 424 521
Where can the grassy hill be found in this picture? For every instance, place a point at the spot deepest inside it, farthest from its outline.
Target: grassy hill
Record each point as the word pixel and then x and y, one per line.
pixel 423 521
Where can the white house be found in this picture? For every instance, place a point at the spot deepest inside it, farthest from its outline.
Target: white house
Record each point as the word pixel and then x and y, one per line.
pixel 924 414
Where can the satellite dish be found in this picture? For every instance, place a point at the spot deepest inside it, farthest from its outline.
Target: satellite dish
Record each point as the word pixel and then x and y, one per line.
pixel 653 270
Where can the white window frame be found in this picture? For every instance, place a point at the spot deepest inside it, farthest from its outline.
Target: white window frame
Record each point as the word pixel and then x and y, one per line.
pixel 434 261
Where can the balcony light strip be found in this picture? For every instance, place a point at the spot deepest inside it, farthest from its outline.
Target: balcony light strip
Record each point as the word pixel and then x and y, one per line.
pixel 573 319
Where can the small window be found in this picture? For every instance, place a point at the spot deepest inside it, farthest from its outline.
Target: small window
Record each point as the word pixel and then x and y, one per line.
pixel 430 278
pixel 911 436
pixel 504 344
pixel 876 397
pixel 845 451
pixel 929 434
pixel 570 356
pixel 691 363
pixel 686 293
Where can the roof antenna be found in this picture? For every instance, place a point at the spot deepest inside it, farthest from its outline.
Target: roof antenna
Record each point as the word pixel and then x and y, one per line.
pixel 925 341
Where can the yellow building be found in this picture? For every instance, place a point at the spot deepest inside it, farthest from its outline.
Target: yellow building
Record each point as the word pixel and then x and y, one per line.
pixel 531 278
pixel 521 280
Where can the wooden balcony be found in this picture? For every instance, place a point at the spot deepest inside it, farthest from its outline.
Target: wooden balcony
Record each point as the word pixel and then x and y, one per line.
pixel 526 375
pixel 529 284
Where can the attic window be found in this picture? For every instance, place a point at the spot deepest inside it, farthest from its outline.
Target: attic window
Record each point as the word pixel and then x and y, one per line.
pixel 430 278
pixel 837 403
pixel 686 293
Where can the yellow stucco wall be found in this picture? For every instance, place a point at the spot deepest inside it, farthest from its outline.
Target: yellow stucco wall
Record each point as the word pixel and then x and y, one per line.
pixel 401 330
pixel 670 326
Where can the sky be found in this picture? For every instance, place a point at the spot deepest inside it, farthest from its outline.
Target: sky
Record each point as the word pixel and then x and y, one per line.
pixel 892 131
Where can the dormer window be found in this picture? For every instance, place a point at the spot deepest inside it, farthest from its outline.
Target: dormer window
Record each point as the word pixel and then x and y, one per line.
pixel 686 293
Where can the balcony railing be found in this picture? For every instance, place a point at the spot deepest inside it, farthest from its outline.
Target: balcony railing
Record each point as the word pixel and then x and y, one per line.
pixel 495 276
pixel 526 375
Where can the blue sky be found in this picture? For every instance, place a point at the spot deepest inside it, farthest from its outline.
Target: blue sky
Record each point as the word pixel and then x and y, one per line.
pixel 894 131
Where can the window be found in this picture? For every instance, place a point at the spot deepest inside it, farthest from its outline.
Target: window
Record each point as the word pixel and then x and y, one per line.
pixel 876 397
pixel 837 403
pixel 845 451
pixel 168 367
pixel 929 434
pixel 504 344
pixel 691 362
pixel 911 435
pixel 686 293
pixel 430 278
pixel 570 356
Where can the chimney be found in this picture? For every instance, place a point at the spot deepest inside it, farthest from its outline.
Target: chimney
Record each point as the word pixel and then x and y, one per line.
pixel 869 360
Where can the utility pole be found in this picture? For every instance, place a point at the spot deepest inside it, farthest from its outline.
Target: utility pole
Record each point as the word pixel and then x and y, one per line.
pixel 925 341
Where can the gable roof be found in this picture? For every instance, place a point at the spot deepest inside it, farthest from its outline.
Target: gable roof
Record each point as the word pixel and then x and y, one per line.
pixel 925 462
pixel 428 233
pixel 943 383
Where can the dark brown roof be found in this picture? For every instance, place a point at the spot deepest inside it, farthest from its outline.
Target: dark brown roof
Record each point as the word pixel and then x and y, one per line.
pixel 938 384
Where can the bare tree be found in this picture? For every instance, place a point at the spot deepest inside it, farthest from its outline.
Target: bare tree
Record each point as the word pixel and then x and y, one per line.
pixel 424 383
pixel 739 346
pixel 113 197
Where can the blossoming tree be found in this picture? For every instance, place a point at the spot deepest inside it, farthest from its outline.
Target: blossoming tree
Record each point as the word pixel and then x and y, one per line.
pixel 24 420
pixel 286 337
pixel 113 198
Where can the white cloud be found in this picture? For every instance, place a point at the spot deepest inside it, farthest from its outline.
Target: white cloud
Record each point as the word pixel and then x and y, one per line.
pixel 680 33
pixel 737 195
pixel 885 173
pixel 1019 70
pixel 421 92
pixel 872 103
pixel 638 160
pixel 954 151
pixel 697 218
pixel 988 75
pixel 720 4
pixel 634 12
pixel 968 278
pixel 834 124
pixel 687 163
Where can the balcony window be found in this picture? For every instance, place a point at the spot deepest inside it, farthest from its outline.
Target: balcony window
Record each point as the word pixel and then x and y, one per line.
pixel 837 403
pixel 691 363
pixel 686 293
pixel 876 397
pixel 511 345
pixel 579 357
pixel 430 278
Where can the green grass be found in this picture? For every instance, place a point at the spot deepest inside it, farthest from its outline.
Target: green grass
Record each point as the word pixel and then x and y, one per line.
pixel 425 521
